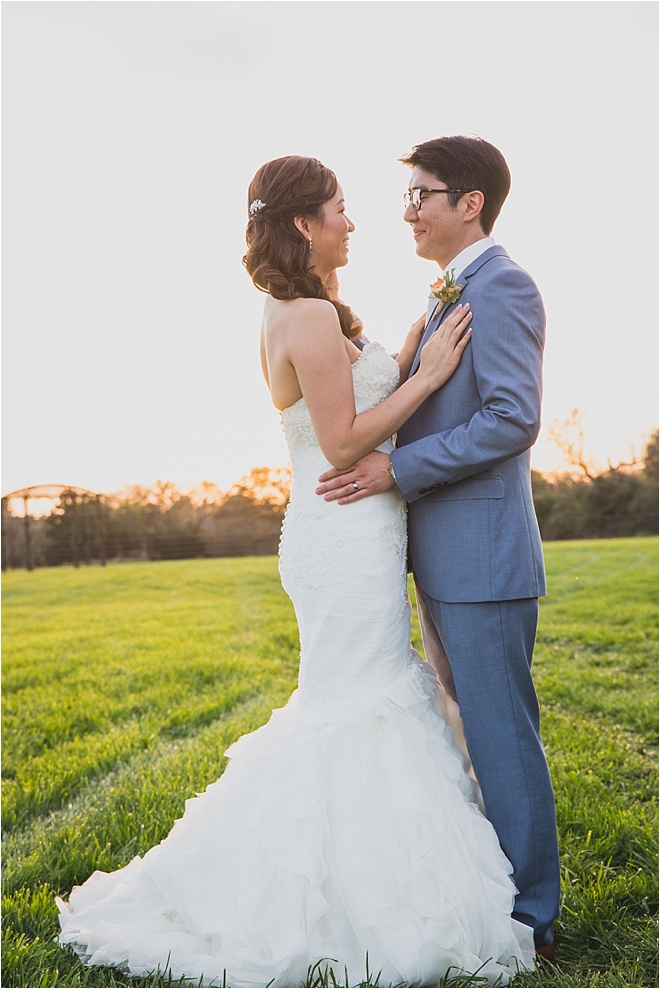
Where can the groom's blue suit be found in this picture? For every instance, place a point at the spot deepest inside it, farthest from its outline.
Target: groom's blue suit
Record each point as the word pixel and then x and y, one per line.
pixel 463 464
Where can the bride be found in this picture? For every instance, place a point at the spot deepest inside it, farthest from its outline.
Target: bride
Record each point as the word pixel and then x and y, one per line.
pixel 346 829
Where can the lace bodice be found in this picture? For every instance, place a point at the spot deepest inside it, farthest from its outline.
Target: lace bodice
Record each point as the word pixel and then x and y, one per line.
pixel 375 376
pixel 328 550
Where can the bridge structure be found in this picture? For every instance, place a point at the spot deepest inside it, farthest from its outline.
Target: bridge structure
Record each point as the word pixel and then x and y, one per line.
pixel 87 510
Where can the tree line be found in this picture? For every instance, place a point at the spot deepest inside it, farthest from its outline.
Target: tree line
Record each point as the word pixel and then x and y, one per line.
pixel 158 523
pixel 587 504
pixel 164 523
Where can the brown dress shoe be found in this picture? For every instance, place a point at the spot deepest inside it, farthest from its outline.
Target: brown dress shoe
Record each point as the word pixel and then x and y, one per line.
pixel 547 952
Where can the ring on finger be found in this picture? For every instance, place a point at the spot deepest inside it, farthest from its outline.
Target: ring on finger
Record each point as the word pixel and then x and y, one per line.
pixel 355 485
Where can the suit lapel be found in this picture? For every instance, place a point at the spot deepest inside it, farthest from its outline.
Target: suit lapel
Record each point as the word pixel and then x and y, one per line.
pixel 433 312
pixel 434 319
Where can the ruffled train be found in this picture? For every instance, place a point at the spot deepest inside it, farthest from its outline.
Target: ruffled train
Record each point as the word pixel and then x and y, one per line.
pixel 326 838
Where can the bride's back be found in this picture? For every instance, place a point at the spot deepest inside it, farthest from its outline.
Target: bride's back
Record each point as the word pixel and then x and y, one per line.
pixel 285 328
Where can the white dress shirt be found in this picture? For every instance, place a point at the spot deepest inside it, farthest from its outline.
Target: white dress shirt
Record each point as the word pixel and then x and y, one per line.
pixel 468 255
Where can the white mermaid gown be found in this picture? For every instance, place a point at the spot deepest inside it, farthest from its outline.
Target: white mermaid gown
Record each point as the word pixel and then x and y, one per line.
pixel 347 825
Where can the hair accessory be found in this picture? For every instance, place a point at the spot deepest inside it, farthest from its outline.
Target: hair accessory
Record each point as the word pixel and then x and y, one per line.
pixel 255 206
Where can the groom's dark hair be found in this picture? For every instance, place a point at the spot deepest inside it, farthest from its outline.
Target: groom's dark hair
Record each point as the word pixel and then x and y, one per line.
pixel 466 163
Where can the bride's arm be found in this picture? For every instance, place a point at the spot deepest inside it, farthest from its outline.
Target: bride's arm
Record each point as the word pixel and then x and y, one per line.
pixel 319 358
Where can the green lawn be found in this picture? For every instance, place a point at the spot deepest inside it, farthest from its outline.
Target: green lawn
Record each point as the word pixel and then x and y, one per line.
pixel 123 686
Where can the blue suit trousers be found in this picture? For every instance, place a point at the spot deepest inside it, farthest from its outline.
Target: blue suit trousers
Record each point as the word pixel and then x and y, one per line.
pixel 489 646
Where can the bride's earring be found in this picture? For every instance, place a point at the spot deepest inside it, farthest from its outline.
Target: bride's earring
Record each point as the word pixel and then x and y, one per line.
pixel 310 244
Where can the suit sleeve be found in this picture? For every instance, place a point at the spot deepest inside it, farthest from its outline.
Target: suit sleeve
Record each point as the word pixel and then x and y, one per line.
pixel 507 354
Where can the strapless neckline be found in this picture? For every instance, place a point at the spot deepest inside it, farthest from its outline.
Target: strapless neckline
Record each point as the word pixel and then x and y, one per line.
pixel 373 345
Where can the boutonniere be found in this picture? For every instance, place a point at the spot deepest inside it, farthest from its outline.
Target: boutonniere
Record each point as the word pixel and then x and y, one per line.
pixel 445 289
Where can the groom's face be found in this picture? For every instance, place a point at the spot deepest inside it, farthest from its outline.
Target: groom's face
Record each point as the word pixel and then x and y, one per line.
pixel 437 227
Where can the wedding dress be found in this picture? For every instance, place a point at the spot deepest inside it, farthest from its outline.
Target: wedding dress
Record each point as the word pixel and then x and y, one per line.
pixel 346 827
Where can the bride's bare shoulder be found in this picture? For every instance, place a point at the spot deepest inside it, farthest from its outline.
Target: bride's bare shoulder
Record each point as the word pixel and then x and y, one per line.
pixel 299 309
pixel 288 319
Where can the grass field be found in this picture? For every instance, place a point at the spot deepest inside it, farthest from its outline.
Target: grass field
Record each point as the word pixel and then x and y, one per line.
pixel 123 686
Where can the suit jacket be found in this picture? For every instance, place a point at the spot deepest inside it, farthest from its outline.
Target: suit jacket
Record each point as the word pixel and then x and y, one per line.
pixel 463 459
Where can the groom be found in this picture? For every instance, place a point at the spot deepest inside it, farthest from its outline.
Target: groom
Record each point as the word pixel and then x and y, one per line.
pixel 462 463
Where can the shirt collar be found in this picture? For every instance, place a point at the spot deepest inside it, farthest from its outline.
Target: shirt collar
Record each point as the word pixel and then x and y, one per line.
pixel 468 255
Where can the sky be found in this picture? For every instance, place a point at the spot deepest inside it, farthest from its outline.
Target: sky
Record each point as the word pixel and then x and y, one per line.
pixel 131 131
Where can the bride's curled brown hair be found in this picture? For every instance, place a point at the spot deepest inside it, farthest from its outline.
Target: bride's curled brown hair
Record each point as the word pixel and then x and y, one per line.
pixel 277 257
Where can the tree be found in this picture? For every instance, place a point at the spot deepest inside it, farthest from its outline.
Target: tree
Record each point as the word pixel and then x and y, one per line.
pixel 75 528
pixel 568 437
pixel 646 497
pixel 249 519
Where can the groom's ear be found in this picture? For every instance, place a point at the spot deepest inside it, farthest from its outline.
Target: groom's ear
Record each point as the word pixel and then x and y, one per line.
pixel 474 203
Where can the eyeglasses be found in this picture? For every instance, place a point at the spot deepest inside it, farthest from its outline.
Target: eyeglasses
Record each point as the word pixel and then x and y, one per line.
pixel 413 197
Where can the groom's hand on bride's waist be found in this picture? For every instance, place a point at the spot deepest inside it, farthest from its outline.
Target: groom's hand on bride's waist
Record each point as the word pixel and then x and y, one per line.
pixel 368 476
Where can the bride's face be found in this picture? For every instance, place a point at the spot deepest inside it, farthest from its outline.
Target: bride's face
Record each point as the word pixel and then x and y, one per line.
pixel 330 236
